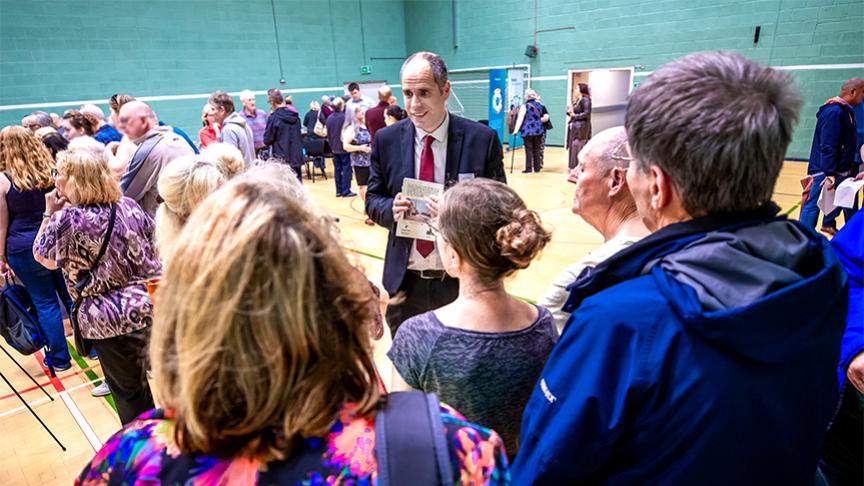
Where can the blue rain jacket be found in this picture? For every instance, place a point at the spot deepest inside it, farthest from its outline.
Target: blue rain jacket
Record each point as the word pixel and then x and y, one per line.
pixel 849 245
pixel 704 354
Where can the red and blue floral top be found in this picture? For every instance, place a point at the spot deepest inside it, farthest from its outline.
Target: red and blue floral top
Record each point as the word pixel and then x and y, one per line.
pixel 145 452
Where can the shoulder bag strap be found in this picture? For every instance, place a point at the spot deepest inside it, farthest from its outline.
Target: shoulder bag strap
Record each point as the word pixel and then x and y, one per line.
pixel 410 443
pixel 107 238
pixel 138 159
pixel 88 276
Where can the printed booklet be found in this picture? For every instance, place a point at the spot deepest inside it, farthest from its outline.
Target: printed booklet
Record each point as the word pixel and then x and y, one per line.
pixel 415 222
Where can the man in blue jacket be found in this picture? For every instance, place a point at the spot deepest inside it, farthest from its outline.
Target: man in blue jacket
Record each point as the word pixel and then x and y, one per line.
pixel 843 456
pixel 832 155
pixel 705 353
pixel 283 133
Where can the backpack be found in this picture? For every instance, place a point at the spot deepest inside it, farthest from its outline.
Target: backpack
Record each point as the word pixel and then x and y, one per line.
pixel 19 321
pixel 410 445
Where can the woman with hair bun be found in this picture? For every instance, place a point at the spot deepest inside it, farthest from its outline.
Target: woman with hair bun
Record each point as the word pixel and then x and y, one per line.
pixel 77 124
pixel 484 352
pixel 261 352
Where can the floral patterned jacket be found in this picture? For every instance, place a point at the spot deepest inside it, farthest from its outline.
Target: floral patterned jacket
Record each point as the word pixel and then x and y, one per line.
pixel 145 452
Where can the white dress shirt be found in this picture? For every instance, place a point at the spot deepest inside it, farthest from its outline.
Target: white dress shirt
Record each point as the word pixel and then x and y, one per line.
pixel 416 261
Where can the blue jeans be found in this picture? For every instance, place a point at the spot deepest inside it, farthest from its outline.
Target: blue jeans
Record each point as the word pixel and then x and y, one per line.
pixel 810 211
pixel 342 173
pixel 44 286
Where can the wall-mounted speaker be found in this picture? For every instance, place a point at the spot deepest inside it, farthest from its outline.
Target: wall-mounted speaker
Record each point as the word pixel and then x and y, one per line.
pixel 531 51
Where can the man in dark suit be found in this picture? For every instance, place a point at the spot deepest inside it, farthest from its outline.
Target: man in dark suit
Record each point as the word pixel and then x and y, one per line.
pixel 430 145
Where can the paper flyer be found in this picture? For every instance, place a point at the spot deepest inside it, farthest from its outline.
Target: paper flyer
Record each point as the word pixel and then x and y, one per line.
pixel 415 222
pixel 844 196
pixel 826 201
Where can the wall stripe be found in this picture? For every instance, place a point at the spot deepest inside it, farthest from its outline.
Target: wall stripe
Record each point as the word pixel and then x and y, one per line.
pixel 53 104
pixel 157 98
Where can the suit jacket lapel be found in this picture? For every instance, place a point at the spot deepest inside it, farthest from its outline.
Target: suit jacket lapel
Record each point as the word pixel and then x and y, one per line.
pixel 407 166
pixel 454 149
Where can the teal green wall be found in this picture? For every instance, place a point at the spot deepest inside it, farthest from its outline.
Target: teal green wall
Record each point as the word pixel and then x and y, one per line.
pixel 81 50
pixel 618 33
pixel 54 51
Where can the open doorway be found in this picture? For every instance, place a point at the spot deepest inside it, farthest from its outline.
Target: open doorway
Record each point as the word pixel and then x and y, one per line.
pixel 367 88
pixel 609 91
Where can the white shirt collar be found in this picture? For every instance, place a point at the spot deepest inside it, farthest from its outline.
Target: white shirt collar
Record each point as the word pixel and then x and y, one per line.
pixel 440 133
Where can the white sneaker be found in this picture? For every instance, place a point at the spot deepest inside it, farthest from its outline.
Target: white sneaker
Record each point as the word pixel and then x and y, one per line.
pixel 101 390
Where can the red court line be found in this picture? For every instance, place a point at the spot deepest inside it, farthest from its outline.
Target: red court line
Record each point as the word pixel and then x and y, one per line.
pixel 58 385
pixel 32 388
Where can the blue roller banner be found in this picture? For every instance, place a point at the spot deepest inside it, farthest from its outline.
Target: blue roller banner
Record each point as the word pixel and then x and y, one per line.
pixel 497 91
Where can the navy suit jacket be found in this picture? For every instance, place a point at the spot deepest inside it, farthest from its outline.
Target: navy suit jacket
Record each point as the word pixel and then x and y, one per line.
pixel 472 148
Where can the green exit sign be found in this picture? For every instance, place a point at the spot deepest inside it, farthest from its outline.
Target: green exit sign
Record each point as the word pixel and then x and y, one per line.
pixel 367 69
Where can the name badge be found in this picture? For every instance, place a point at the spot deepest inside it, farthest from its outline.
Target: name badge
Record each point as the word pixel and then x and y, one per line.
pixel 466 176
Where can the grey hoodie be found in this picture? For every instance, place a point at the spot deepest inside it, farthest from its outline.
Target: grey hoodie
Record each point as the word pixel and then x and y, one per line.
pixel 733 269
pixel 236 132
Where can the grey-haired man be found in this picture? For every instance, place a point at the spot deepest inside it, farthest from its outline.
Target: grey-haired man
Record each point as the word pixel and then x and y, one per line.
pixel 706 353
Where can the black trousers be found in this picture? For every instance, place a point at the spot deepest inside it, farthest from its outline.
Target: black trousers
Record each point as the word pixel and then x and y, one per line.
pixel 421 295
pixel 124 362
pixel 533 153
pixel 843 453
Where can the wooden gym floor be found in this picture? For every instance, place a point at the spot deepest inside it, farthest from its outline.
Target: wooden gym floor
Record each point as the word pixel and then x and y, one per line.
pixel 29 456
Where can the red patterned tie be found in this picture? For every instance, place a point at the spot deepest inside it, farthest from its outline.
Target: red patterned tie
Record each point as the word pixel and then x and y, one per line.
pixel 427 173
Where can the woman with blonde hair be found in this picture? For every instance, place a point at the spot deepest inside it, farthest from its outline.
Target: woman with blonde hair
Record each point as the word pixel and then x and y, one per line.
pixel 483 352
pixel 311 118
pixel 104 244
pixel 27 164
pixel 261 351
pixel 227 157
pixel 209 133
pixel 183 184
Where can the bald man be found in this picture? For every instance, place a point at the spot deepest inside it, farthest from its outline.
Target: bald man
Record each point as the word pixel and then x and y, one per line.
pixel 326 108
pixel 375 115
pixel 157 146
pixel 832 155
pixel 602 198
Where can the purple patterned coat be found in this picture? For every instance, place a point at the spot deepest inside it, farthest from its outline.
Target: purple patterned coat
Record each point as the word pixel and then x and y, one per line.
pixel 113 304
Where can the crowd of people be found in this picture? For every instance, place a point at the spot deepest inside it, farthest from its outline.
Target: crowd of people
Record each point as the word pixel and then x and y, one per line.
pixel 708 340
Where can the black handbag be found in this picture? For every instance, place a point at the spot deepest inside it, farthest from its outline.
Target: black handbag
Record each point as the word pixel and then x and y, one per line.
pixel 82 345
pixel 19 320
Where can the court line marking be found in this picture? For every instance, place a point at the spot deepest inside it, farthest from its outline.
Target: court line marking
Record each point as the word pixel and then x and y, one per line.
pixel 42 400
pixel 79 418
pixel 43 385
pixel 92 375
pixel 82 422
